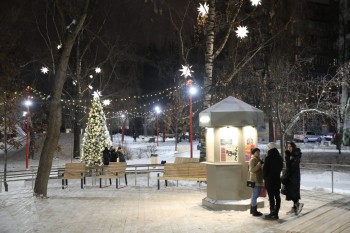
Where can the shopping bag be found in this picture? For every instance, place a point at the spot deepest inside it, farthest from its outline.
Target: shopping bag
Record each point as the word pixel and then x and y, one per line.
pixel 262 192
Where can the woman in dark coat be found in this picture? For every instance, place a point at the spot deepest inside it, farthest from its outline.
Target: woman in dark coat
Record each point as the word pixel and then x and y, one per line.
pixel 106 156
pixel 291 177
pixel 272 176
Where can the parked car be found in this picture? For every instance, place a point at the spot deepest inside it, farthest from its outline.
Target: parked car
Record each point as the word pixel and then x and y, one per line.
pixel 328 137
pixel 307 136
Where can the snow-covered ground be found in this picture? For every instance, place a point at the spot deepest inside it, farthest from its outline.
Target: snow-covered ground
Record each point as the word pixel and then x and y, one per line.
pixel 139 208
pixel 316 179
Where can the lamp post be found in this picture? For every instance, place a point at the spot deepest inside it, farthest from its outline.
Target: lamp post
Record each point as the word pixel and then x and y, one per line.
pixel 193 91
pixel 27 103
pixel 123 127
pixel 157 109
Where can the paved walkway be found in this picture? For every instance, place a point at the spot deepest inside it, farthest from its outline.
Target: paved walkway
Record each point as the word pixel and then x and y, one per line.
pixel 141 209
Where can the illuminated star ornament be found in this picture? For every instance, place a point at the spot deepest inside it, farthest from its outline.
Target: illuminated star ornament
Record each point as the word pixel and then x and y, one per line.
pixel 203 10
pixel 59 46
pixel 186 71
pixel 255 2
pixel 98 70
pixel 242 31
pixel 106 102
pixel 44 70
pixel 96 94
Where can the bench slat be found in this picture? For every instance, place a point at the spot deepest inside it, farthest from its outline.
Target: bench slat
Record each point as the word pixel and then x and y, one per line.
pixel 184 171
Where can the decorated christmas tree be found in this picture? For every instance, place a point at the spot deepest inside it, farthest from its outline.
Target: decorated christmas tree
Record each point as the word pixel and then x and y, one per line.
pixel 96 136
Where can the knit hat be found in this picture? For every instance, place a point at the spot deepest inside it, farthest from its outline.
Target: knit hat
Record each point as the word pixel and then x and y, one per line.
pixel 271 145
pixel 255 150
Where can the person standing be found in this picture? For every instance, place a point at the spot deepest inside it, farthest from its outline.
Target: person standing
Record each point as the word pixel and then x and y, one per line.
pixel 113 155
pixel 120 155
pixel 291 177
pixel 106 156
pixel 272 176
pixel 256 175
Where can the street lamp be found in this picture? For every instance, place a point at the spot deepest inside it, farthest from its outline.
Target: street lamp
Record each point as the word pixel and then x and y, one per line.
pixel 157 109
pixel 27 103
pixel 193 91
pixel 123 127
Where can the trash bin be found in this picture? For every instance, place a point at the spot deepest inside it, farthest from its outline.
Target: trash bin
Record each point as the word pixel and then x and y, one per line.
pixel 154 159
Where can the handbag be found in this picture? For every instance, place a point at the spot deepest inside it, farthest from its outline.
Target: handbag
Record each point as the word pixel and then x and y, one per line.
pixel 251 184
pixel 262 192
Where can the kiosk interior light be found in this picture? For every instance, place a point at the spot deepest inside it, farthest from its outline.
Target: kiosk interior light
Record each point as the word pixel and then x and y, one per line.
pixel 204 119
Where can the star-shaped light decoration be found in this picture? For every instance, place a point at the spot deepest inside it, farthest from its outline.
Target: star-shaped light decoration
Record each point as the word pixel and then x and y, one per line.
pixel 96 94
pixel 186 71
pixel 59 46
pixel 98 70
pixel 106 102
pixel 255 2
pixel 242 31
pixel 74 82
pixel 203 10
pixel 90 76
pixel 90 87
pixel 44 70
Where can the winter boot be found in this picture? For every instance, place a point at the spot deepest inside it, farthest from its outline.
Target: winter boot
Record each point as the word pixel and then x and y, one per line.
pixel 251 209
pixel 292 210
pixel 255 211
pixel 299 208
pixel 268 216
pixel 273 215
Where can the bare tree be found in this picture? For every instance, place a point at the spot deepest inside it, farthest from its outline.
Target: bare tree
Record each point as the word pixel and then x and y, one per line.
pixel 55 112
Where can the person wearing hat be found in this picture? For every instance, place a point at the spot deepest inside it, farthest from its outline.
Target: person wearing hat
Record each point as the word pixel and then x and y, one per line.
pixel 256 175
pixel 272 176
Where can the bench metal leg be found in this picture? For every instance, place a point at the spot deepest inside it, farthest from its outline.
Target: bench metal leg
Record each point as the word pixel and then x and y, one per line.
pixel 166 183
pixel 126 180
pixel 82 183
pixel 158 181
pixel 116 183
pixel 62 183
pixel 100 182
pixel 110 181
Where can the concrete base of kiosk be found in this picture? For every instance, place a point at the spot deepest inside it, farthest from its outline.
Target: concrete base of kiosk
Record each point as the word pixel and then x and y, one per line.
pixel 226 189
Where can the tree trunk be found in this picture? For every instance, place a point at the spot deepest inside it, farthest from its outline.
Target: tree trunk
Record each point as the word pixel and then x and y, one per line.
pixel 55 111
pixel 209 59
pixel 77 132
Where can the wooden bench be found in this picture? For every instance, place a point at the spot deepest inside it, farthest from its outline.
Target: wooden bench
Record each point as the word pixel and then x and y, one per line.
pixel 186 160
pixel 113 170
pixel 74 171
pixel 183 171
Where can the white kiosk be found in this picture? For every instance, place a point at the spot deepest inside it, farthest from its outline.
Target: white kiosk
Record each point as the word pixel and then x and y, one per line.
pixel 230 134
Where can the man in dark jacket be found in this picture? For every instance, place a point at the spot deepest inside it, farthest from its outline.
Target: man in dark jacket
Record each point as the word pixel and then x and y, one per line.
pixel 272 176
